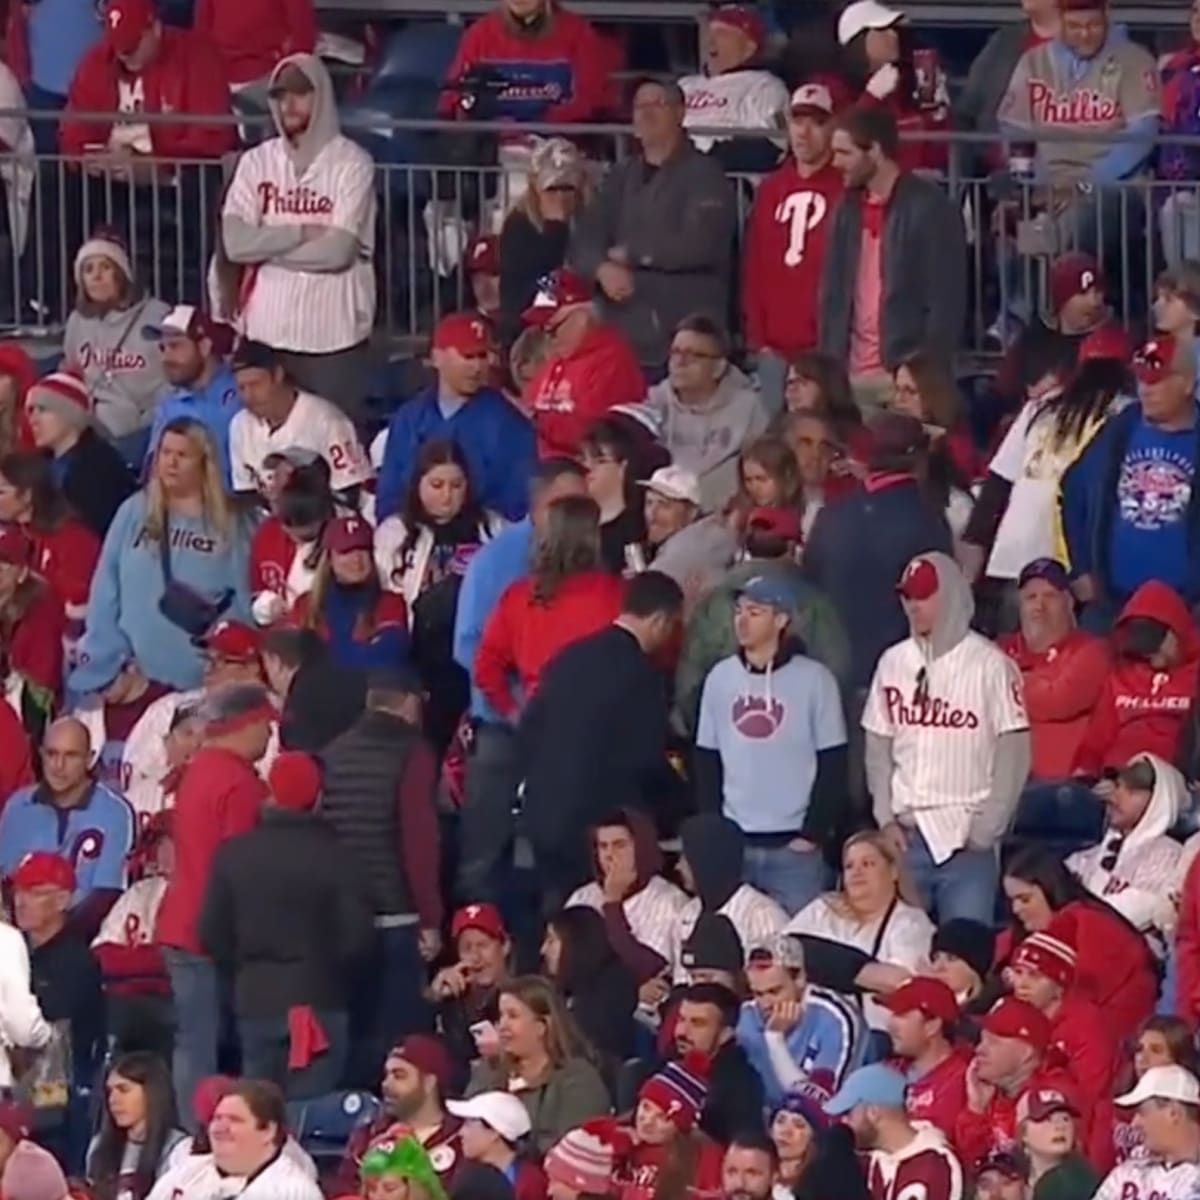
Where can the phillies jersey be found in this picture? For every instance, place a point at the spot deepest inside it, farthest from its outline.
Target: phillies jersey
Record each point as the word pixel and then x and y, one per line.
pixel 925 1169
pixel 738 100
pixel 785 251
pixel 938 1096
pixel 1047 91
pixel 1150 1179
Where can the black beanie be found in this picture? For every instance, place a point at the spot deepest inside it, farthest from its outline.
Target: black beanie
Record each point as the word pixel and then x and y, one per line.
pixel 972 941
pixel 713 945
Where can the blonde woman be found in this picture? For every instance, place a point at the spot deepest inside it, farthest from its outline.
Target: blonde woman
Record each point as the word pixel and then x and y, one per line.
pixel 175 561
pixel 873 911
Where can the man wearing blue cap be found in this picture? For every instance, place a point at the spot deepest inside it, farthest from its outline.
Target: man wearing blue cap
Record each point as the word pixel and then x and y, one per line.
pixel 771 747
pixel 903 1160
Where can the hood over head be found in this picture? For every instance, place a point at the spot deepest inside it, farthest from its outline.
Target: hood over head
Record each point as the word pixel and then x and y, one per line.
pixel 955 603
pixel 647 857
pixel 1168 798
pixel 715 849
pixel 1156 601
pixel 323 125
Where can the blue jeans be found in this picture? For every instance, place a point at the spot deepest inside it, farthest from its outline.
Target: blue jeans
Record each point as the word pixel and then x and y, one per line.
pixel 197 1024
pixel 265 1044
pixel 963 886
pixel 792 878
pixel 771 370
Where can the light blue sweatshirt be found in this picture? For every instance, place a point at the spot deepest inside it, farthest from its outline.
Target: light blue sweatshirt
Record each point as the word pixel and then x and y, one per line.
pixel 213 406
pixel 61 32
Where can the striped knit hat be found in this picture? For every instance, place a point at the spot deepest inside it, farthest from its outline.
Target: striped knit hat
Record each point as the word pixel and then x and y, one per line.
pixel 583 1159
pixel 65 395
pixel 680 1090
pixel 1048 954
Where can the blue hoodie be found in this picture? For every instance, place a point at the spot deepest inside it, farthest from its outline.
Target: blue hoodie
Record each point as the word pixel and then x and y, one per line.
pixel 496 440
pixel 128 586
pixel 214 406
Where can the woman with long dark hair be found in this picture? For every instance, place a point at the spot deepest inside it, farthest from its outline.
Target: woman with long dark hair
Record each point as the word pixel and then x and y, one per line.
pixel 138 1128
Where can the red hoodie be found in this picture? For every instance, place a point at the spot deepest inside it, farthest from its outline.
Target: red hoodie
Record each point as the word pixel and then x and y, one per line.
pixel 1141 709
pixel 568 395
pixel 35 636
pixel 523 635
pixel 636 1176
pixel 186 76
pixel 253 35
pixel 1082 1035
pixel 66 559
pixel 1187 948
pixel 16 761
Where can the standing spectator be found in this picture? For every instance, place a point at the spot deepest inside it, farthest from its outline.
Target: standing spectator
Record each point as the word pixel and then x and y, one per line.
pixel 462 407
pixel 751 738
pixel 945 812
pixel 891 217
pixel 220 795
pixel 613 459
pixel 106 338
pixel 32 629
pixel 925 388
pixel 598 727
pixel 1179 213
pixel 734 93
pixel 174 561
pixel 657 237
pixel 589 370
pixel 91 474
pixel 278 414
pixel 252 39
pixel 707 409
pixel 785 243
pixel 299 220
pixel 286 913
pixel 693 549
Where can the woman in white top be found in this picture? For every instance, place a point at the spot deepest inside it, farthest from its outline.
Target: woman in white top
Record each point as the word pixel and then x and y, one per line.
pixel 870 913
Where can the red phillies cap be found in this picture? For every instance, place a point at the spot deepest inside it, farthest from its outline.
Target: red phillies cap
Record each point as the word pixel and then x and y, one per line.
pixel 919 581
pixel 1156 359
pixel 233 641
pixel 929 996
pixel 1074 273
pixel 348 533
pixel 1013 1018
pixel 464 332
pixel 741 17
pixel 780 522
pixel 1045 1102
pixel 484 917
pixel 1082 5
pixel 1109 341
pixel 556 291
pixel 42 869
pixel 483 256
pixel 126 22
pixel 15 548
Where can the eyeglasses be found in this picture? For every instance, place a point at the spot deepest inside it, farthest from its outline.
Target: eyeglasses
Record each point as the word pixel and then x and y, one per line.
pixel 684 355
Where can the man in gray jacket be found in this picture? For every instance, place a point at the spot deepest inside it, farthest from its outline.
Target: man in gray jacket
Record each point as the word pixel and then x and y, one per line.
pixel 658 237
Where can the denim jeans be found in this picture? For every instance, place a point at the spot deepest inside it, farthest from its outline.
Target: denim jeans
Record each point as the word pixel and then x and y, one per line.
pixel 771 370
pixel 197 1024
pixel 486 827
pixel 265 1044
pixel 963 886
pixel 792 878
pixel 1179 220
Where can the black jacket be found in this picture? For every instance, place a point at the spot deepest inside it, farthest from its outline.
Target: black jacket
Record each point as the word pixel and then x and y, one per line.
pixel 735 1096
pixel 526 254
pixel 286 911
pixel 96 481
pixel 66 982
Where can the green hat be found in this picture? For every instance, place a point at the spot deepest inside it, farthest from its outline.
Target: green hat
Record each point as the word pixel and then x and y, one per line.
pixel 407 1158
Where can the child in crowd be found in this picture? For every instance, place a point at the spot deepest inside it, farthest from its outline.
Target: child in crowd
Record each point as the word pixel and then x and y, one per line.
pixel 495 1127
pixel 1046 1127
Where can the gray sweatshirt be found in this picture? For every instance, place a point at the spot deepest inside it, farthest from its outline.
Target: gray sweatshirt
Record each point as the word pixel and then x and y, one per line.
pixel 120 364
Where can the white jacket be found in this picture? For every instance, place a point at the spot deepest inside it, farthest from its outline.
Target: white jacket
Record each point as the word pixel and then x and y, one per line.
pixel 197 1178
pixel 21 1021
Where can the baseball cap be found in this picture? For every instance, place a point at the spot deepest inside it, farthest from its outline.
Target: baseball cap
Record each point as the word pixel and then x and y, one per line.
pixel 15 548
pixel 559 290
pixel 483 255
pixel 1155 360
pixel 500 1111
pixel 233 641
pixel 556 163
pixel 862 15
pixel 126 22
pixel 1013 1018
pixel 484 917
pixel 1110 341
pixel 1042 1103
pixel 812 98
pixel 1049 570
pixel 250 355
pixel 42 869
pixel 346 534
pixel 1009 1163
pixel 1072 274
pixel 876 1084
pixel 929 996
pixel 1163 1083
pixel 771 590
pixel 896 437
pixel 429 1054
pixel 99 662
pixel 464 332
pixel 919 581
pixel 783 950
pixel 675 483
pixel 782 523
pixel 741 17
pixel 187 320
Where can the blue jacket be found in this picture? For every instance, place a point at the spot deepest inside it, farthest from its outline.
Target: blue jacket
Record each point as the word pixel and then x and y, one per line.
pixel 213 406
pixel 499 563
pixel 96 837
pixel 496 440
pixel 831 1035
pixel 128 586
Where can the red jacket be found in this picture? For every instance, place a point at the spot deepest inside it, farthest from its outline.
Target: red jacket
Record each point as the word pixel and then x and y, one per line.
pixel 35 639
pixel 523 635
pixel 1081 1034
pixel 1187 948
pixel 272 552
pixel 785 249
pixel 941 1094
pixel 66 559
pixel 18 366
pixel 16 761
pixel 568 395
pixel 251 36
pixel 1062 685
pixel 636 1176
pixel 220 795
pixel 1141 709
pixel 186 76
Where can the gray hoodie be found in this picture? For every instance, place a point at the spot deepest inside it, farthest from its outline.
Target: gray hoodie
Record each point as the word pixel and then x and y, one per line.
pixel 698 555
pixel 706 439
pixel 120 364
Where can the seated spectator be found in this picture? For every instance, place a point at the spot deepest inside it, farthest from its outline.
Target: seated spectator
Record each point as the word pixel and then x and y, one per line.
pixel 712 953
pixel 482 267
pixel 734 93
pixel 28 1030
pixel 400 1162
pixel 494 1128
pixel 540 1056
pixel 692 549
pixel 494 439
pixel 364 625
pixel 138 1133
pixel 750 1167
pixel 580 1164
pixel 1178 215
pixel 767 476
pixel 895 216
pixel 194 349
pixel 1177 303
pixel 1166 1101
pixel 813 442
pixel 252 40
pixel 145 65
pixel 1161 1042
pixel 32 630
pixel 871 913
pixel 1002 1174
pixel 1048 1136
pixel 657 237
pixel 173 562
pixel 529 60
pixel 306 290
pixel 70 809
pixel 785 244
pixel 791 1028
pixel 278 415
pixel 566 597
pixel 712 866
pixel 706 408
pixel 16 759
pixel 818 384
pixel 926 389
pixel 18 373
pixel 600 991
pixel 537 229
pixel 961 955
pixel 612 459
pixel 802 1135
pixel 589 369
pixel 92 475
pixel 1150 691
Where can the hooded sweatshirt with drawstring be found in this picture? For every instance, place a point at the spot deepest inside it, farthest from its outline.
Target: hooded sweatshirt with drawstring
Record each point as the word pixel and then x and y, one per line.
pixel 300 291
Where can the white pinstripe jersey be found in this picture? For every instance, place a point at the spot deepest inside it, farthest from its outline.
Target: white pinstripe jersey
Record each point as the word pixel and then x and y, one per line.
pixel 651 912
pixel 197 1178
